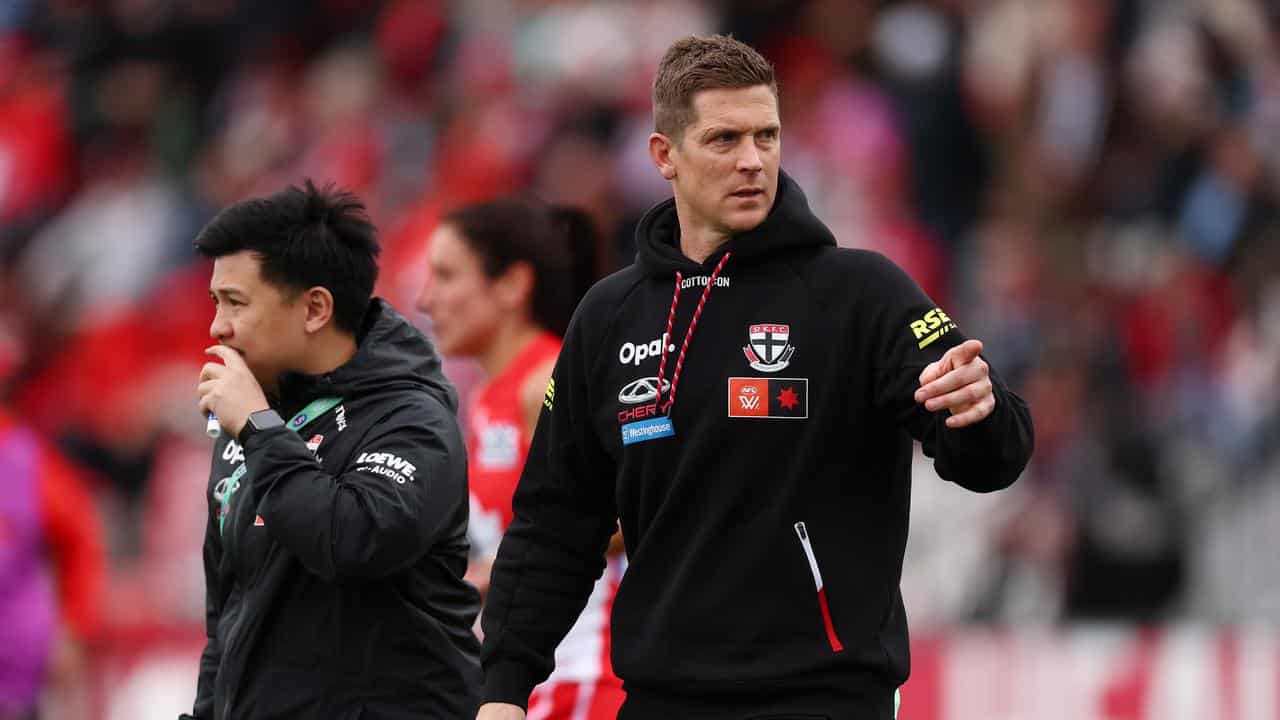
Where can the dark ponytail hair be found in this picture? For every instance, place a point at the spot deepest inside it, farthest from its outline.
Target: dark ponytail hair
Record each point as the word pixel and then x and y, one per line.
pixel 558 242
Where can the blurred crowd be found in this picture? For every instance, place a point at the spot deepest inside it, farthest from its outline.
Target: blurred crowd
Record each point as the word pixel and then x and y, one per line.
pixel 1088 186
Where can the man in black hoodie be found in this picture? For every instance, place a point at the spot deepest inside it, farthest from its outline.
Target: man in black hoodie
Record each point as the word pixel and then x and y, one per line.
pixel 336 540
pixel 744 400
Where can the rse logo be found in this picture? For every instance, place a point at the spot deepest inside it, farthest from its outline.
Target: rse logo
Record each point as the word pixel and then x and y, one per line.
pixel 932 326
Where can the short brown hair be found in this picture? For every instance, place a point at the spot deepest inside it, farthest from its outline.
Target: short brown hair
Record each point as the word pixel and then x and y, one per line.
pixel 695 63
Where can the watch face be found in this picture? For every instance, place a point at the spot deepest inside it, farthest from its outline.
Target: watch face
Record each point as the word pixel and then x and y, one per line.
pixel 263 419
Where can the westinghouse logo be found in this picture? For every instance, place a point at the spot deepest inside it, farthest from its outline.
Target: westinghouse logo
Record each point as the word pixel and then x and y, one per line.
pixel 932 326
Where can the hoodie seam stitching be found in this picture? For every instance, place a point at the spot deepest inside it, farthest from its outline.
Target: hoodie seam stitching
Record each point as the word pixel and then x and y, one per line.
pixel 608 328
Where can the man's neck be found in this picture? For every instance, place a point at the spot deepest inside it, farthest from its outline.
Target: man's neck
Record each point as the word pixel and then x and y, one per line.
pixel 329 353
pixel 698 246
pixel 698 241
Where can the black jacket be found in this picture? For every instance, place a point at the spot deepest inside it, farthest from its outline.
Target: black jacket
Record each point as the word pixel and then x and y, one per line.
pixel 335 579
pixel 793 424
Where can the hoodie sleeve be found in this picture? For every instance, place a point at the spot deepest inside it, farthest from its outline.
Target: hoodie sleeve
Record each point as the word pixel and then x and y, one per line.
pixel 381 513
pixel 555 548
pixel 908 332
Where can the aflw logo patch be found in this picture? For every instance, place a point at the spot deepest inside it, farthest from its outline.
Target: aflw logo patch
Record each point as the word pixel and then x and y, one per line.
pixel 387 465
pixel 774 398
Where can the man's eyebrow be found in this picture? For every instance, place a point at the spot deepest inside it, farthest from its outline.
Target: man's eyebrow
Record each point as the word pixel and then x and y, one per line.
pixel 715 130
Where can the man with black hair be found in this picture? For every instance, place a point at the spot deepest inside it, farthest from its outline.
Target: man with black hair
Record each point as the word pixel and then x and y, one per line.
pixel 336 540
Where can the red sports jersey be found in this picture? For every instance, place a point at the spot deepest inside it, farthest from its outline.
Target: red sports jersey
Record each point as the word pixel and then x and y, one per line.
pixel 582 686
pixel 497 442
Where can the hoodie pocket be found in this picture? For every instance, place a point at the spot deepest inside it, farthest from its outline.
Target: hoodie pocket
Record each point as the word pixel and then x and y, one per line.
pixel 823 608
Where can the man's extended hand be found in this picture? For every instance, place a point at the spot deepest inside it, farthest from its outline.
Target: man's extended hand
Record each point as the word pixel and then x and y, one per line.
pixel 959 382
pixel 229 390
pixel 500 711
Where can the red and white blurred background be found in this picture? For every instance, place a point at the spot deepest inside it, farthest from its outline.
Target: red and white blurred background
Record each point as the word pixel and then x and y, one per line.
pixel 1174 672
pixel 1090 186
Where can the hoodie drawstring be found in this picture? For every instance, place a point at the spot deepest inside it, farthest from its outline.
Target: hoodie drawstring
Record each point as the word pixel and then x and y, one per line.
pixel 688 334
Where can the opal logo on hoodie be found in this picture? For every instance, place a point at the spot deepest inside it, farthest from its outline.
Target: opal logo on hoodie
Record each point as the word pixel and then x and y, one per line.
pixel 769 347
pixel 633 354
pixel 233 453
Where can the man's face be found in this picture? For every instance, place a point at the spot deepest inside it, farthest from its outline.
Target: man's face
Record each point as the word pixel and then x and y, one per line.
pixel 255 318
pixel 460 298
pixel 726 164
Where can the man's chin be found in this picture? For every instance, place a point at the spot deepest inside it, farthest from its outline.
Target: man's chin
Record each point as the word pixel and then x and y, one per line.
pixel 745 221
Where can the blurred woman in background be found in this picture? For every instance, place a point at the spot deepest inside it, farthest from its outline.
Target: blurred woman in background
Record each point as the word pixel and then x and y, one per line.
pixel 504 278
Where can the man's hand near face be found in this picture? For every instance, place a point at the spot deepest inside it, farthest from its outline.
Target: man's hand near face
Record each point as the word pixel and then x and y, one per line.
pixel 229 390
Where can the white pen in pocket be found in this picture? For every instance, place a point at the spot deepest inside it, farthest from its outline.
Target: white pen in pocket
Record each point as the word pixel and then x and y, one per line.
pixel 211 426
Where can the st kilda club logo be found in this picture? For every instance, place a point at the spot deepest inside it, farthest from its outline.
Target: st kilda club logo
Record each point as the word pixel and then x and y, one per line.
pixel 769 348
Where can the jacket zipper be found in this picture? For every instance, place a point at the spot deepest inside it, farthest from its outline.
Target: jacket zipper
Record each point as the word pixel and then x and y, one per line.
pixel 803 533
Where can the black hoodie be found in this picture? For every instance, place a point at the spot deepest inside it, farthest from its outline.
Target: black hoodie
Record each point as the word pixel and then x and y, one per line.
pixel 787 464
pixel 334 581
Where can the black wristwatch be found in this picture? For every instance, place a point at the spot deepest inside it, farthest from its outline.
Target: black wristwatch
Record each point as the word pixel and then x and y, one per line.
pixel 259 421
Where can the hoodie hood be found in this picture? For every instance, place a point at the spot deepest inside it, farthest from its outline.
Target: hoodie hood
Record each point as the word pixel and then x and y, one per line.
pixel 790 224
pixel 391 354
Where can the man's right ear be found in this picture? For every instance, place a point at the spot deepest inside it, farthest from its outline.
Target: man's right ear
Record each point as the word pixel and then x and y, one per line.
pixel 660 147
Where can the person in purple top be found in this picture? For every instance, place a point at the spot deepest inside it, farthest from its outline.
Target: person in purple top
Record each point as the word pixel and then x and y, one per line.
pixel 51 567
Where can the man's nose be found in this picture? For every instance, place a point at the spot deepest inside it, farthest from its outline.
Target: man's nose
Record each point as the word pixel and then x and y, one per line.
pixel 749 159
pixel 220 329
